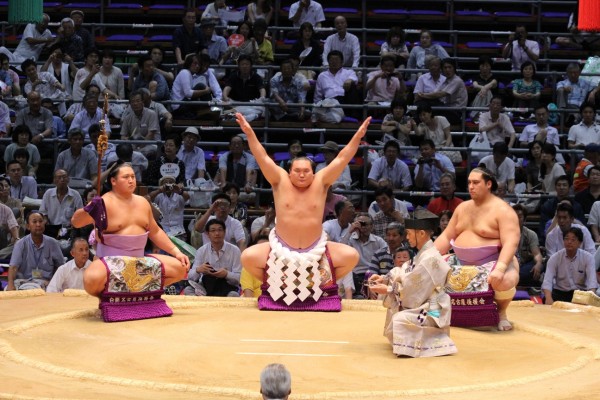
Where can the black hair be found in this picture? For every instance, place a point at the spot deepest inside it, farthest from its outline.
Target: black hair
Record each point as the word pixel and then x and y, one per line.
pixel 575 231
pixel 384 191
pixel 214 221
pixel 20 129
pixel 230 185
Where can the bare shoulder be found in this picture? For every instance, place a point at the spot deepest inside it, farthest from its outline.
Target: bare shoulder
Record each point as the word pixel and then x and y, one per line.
pixel 465 206
pixel 141 202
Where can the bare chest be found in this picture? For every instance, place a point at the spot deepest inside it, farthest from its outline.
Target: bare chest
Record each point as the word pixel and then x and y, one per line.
pixel 482 221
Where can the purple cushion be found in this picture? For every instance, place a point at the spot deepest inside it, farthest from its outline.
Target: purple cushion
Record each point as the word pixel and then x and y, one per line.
pixel 3 3
pixel 550 14
pixel 426 12
pixel 46 4
pixel 443 44
pixel 166 7
pixel 289 41
pixel 208 155
pixel 483 45
pixel 281 156
pixel 340 10
pixel 81 5
pixel 393 11
pixel 467 13
pixel 125 38
pixel 161 38
pixel 379 42
pixel 349 119
pixel 511 14
pixel 521 295
pixel 131 6
pixel 319 158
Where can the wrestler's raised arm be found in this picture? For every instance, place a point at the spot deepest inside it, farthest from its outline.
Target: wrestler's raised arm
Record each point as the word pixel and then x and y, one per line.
pixel 332 171
pixel 271 171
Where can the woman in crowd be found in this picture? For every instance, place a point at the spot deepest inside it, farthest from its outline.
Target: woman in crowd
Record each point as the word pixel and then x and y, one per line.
pixel 294 150
pixel 484 84
pixel 21 139
pixel 436 128
pixel 61 66
pixel 183 88
pixel 534 162
pixel 416 59
pixel 237 209
pixel 395 45
pixel 111 76
pixel 249 47
pixel 526 90
pixel 307 40
pixel 259 9
pixel 549 169
pixel 14 89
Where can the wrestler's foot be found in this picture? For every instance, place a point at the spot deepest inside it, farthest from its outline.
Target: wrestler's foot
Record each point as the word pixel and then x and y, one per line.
pixel 504 325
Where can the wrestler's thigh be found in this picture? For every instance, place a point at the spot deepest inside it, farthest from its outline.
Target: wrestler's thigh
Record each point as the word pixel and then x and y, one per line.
pixel 343 257
pixel 174 271
pixel 94 278
pixel 254 259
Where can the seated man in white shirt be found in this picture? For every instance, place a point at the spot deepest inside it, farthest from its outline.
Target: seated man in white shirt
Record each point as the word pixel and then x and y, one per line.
pixel 585 132
pixel 541 131
pixel 171 199
pixel 70 275
pixel 497 125
pixel 91 114
pixel 389 170
pixel 344 41
pixel 216 270
pixel 564 221
pixel 430 82
pixel 60 203
pixel 192 155
pixel 502 166
pixel 306 11
pixel 338 83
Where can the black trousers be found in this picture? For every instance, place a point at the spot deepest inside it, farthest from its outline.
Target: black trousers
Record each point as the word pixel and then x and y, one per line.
pixel 561 295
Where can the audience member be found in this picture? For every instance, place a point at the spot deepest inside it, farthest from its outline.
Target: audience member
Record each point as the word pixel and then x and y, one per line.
pixel 238 166
pixel 165 118
pixel 337 82
pixel 587 131
pixel 430 167
pixel 245 47
pixel 389 170
pixel 78 162
pixel 548 207
pixel 496 124
pixel 149 78
pixel 591 157
pixel 259 9
pixel 14 89
pixel 111 148
pixel 541 131
pixel 275 380
pixel 187 38
pixel 237 209
pixel 306 11
pixel 569 269
pixel 220 208
pixel 360 237
pixel 395 45
pixel 526 90
pixel 90 115
pixel 331 199
pixel 429 82
pixel 9 228
pixel 385 84
pixel 437 129
pixel 60 202
pixel 111 76
pixel 446 200
pixel 20 186
pixel 86 36
pixel 78 106
pixel 389 211
pixel 528 253
pixel 140 124
pixel 263 224
pixel 399 124
pixel 59 128
pixel 344 42
pixel 264 47
pixel 565 221
pixel 484 84
pixel 244 84
pixel 215 45
pixel 125 153
pixel 34 258
pixel 88 75
pixel 61 67
pixel 216 269
pixel 383 258
pixel 418 55
pixel 501 165
pixel 534 162
pixel 452 92
pixel 43 83
pixel 212 11
pixel 519 49
pixel 587 197
pixel 70 42
pixel 287 88
pixel 22 156
pixel 156 55
pixel 574 91
pixel 344 215
pixel 192 155
pixel 294 150
pixel 21 139
pixel 308 40
pixel 170 199
pixel 37 118
pixel 70 274
pixel 5 121
pixel 6 199
pixel 34 39
pixel 185 90
pixel 549 169
pixel 167 164
pixel 330 150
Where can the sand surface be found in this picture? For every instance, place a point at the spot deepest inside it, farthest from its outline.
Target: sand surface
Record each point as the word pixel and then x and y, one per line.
pixel 55 346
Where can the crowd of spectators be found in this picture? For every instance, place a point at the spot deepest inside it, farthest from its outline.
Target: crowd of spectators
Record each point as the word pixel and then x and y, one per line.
pixel 55 82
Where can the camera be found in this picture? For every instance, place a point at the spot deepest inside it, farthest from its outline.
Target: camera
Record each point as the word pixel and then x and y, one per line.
pixel 362 223
pixel 424 161
pixel 169 186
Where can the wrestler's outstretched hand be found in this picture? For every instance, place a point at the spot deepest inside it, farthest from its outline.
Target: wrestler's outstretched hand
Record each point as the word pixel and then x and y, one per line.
pixel 363 128
pixel 246 128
